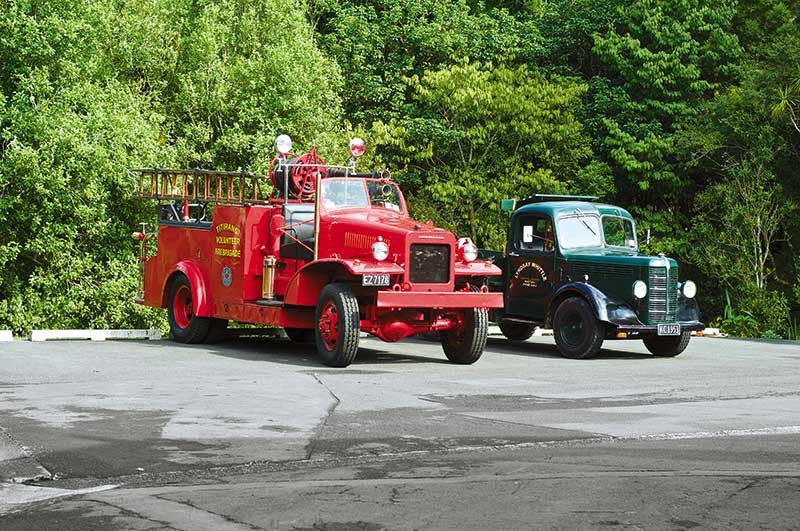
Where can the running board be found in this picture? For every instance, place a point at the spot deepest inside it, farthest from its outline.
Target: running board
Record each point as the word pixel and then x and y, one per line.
pixel 270 302
pixel 519 320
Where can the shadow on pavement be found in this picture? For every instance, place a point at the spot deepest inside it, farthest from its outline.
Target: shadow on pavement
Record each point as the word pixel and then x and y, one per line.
pixel 549 350
pixel 284 351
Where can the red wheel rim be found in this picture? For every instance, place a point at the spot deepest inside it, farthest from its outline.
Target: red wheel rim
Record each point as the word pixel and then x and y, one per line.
pixel 182 307
pixel 329 325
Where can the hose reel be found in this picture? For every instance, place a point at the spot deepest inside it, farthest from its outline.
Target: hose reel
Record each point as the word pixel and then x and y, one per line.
pixel 302 173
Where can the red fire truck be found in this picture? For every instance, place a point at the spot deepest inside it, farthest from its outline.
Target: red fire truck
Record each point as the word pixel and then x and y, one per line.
pixel 320 250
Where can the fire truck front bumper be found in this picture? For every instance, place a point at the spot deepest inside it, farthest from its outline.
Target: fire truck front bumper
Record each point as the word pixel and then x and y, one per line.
pixel 439 300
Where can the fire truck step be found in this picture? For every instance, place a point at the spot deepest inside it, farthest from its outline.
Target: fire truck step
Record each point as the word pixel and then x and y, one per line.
pixel 269 302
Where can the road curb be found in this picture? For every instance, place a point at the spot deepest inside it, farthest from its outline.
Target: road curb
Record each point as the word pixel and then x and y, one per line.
pixel 94 335
pixel 708 332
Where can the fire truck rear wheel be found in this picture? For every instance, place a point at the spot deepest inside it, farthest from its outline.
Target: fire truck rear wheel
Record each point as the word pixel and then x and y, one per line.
pixel 517 331
pixel 338 325
pixel 464 344
pixel 184 326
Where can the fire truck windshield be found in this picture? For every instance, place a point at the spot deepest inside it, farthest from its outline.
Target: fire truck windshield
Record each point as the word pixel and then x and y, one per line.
pixel 353 192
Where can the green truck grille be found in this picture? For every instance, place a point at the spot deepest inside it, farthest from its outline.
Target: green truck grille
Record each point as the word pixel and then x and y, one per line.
pixel 662 298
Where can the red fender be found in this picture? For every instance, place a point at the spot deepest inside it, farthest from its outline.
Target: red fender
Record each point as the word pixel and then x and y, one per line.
pixel 306 285
pixel 201 303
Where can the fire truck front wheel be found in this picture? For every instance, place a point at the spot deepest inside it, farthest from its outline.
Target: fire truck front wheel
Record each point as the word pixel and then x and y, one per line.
pixel 184 326
pixel 464 344
pixel 337 325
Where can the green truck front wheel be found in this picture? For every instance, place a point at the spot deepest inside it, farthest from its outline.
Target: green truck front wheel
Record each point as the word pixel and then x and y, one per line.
pixel 577 331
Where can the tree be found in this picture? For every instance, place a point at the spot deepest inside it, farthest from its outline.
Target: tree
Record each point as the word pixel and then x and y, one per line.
pixel 663 60
pixel 88 89
pixel 740 220
pixel 379 45
pixel 486 133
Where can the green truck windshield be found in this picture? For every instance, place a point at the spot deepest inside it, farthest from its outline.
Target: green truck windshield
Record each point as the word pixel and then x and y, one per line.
pixel 579 231
pixel 618 232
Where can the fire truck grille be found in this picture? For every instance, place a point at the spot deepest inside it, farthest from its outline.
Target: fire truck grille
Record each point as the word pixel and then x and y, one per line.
pixel 430 264
pixel 662 300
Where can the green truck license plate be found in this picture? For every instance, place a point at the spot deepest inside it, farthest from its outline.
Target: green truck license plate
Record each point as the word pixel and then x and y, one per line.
pixel 669 330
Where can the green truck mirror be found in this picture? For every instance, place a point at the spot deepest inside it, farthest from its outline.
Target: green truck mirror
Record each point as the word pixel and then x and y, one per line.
pixel 507 205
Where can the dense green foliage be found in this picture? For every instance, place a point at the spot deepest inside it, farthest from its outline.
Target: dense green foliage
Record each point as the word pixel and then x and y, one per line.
pixel 88 89
pixel 685 111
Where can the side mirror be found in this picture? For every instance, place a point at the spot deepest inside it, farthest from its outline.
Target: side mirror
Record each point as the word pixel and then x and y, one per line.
pixel 508 205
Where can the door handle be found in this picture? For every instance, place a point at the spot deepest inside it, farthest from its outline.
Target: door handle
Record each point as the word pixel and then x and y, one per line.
pixel 513 254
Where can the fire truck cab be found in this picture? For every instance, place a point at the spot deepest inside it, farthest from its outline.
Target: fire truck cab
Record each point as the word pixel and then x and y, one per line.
pixel 322 251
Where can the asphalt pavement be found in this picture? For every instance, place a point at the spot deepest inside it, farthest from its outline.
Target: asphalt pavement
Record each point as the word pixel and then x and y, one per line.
pixel 257 434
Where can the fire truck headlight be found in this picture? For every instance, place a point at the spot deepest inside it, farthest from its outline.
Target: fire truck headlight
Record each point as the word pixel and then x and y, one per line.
pixel 689 289
pixel 469 252
pixel 380 251
pixel 283 144
pixel 639 289
pixel 357 147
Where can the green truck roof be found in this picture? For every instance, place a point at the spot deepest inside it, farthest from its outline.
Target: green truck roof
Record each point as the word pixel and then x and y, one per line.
pixel 555 209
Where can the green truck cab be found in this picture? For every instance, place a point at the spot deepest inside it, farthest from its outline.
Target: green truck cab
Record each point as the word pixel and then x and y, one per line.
pixel 574 265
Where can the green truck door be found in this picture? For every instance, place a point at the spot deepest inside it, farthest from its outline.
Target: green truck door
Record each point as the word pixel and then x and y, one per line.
pixel 531 261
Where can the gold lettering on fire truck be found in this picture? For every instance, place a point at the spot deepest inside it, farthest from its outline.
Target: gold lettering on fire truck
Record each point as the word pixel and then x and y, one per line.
pixel 528 281
pixel 227 227
pixel 234 241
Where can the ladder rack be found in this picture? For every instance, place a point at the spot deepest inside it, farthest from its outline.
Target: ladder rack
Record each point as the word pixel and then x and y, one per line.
pixel 204 186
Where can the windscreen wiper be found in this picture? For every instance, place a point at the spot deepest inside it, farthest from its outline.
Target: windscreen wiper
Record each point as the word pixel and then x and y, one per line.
pixel 581 215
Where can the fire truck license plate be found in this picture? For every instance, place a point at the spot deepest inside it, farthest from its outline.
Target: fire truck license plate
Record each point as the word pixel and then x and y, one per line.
pixel 375 280
pixel 669 330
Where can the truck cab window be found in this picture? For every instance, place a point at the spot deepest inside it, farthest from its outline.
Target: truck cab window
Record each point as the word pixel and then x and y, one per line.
pixel 343 193
pixel 618 232
pixel 534 234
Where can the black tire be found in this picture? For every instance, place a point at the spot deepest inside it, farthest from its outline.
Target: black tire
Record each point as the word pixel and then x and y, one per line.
pixel 465 345
pixel 516 331
pixel 218 331
pixel 578 333
pixel 337 342
pixel 300 335
pixel 668 346
pixel 184 326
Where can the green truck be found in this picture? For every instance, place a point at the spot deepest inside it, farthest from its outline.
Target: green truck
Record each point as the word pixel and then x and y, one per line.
pixel 574 265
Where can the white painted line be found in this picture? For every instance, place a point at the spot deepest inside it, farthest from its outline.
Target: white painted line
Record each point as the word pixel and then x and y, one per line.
pixel 94 335
pixel 6 335
pixel 16 494
pixel 779 430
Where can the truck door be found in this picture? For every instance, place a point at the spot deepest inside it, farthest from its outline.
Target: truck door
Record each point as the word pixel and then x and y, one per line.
pixel 531 262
